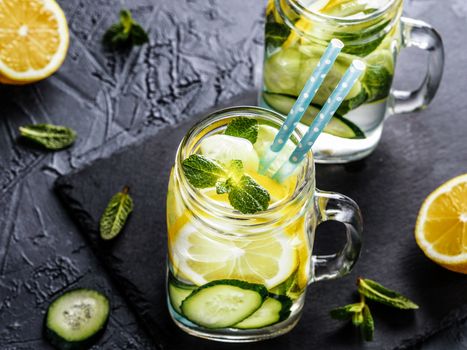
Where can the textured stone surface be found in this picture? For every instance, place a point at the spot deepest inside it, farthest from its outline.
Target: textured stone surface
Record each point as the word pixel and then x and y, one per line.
pixel 201 53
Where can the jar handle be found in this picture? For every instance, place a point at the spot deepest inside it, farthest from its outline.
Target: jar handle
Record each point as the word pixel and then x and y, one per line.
pixel 337 207
pixel 419 34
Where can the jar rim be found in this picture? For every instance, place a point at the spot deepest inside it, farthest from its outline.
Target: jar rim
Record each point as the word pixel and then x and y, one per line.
pixel 302 9
pixel 184 150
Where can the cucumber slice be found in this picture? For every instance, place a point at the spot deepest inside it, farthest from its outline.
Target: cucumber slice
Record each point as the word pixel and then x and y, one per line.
pixel 379 74
pixel 338 126
pixel 177 294
pixel 223 303
pixel 275 308
pixel 287 70
pixel 76 319
pixel 284 287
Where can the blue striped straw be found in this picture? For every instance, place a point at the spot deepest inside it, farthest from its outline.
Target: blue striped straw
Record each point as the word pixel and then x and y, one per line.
pixel 301 104
pixel 322 119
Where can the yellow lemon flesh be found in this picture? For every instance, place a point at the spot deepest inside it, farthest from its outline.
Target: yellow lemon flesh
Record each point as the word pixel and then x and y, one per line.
pixel 441 230
pixel 33 40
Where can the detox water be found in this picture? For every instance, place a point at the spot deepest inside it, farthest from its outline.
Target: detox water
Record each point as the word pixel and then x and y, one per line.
pixel 297 33
pixel 220 269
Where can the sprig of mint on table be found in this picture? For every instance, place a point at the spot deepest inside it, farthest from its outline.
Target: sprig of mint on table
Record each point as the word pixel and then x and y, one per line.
pixel 360 313
pixel 126 33
pixel 245 194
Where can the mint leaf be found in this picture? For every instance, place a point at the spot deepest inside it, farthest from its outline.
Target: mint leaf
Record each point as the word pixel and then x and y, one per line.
pixel 53 137
pixel 357 318
pixel 202 172
pixel 236 169
pixel 346 312
pixel 138 35
pixel 376 292
pixel 222 187
pixel 126 33
pixel 235 172
pixel 246 128
pixel 115 215
pixel 247 196
pixel 368 325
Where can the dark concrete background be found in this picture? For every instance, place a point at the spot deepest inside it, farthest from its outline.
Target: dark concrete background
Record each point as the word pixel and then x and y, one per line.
pixel 198 57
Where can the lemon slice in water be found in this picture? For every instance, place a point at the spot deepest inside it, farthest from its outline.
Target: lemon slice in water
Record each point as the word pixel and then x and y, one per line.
pixel 265 259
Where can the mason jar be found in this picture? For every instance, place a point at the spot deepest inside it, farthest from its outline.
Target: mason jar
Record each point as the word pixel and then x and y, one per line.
pixel 296 35
pixel 211 245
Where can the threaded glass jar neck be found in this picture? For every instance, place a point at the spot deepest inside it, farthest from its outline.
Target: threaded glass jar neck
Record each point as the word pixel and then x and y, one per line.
pixel 206 208
pixel 310 24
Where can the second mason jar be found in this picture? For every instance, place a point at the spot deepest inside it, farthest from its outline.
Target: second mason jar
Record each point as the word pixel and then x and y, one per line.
pixel 297 33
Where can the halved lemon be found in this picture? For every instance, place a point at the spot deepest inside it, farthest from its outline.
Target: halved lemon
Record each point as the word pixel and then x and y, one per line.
pixel 33 40
pixel 200 257
pixel 441 229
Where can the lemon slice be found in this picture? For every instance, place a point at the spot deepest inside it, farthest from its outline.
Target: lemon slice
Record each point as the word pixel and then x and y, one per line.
pixel 304 254
pixel 441 229
pixel 201 258
pixel 33 40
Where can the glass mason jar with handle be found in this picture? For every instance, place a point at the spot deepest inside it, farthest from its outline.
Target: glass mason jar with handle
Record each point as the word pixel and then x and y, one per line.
pixel 296 34
pixel 243 277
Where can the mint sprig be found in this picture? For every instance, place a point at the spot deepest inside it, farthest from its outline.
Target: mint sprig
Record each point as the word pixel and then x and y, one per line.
pixel 245 194
pixel 246 128
pixel 203 172
pixel 360 313
pixel 126 33
pixel 376 292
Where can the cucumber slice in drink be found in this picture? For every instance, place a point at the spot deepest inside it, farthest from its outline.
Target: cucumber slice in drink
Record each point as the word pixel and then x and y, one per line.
pixel 282 71
pixel 223 303
pixel 379 74
pixel 275 308
pixel 338 126
pixel 287 71
pixel 330 82
pixel 76 319
pixel 177 294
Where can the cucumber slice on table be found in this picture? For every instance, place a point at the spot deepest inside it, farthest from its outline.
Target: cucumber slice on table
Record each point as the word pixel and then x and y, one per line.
pixel 338 126
pixel 223 303
pixel 177 294
pixel 76 319
pixel 275 308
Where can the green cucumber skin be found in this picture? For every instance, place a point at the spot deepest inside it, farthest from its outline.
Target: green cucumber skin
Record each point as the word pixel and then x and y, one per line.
pixel 286 305
pixel 61 343
pixel 174 288
pixel 258 288
pixel 283 314
pixel 357 133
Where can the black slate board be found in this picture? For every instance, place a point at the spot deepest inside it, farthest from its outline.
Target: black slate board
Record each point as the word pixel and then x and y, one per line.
pixel 388 189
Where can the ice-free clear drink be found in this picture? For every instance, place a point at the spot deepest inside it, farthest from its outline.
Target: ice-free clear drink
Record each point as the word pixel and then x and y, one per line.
pixel 240 243
pixel 297 33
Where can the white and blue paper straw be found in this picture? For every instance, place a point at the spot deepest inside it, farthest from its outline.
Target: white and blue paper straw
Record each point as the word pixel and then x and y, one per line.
pixel 322 119
pixel 301 104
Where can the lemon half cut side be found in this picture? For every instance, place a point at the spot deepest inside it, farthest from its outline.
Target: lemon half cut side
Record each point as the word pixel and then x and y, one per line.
pixel 34 40
pixel 441 229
